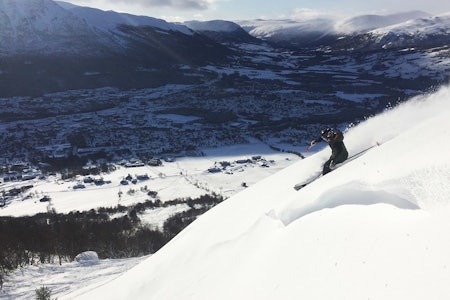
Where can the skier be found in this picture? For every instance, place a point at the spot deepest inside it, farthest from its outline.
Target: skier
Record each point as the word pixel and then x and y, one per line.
pixel 339 153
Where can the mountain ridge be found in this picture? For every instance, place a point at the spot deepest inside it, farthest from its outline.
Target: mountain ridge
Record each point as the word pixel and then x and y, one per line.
pixel 30 27
pixel 41 39
pixel 109 20
pixel 364 23
pixel 127 51
pixel 42 26
pixel 351 32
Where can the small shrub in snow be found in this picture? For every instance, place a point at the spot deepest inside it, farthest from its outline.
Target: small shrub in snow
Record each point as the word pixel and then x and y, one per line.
pixel 43 293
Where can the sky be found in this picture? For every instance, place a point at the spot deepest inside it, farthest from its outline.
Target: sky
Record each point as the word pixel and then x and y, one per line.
pixel 232 10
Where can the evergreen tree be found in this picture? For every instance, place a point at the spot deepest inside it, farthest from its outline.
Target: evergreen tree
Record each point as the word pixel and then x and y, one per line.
pixel 43 293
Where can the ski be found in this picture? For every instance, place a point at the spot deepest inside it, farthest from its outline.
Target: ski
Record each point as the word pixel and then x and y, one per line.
pixel 301 185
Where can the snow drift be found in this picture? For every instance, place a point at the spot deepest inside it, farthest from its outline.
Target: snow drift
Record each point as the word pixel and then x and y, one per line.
pixel 376 228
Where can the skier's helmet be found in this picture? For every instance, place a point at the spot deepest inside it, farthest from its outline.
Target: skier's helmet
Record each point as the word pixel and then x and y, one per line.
pixel 327 133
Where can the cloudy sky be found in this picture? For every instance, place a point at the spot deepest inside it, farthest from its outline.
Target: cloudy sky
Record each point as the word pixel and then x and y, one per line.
pixel 183 10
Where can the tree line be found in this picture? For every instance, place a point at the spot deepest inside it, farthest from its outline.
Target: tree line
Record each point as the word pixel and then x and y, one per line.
pixel 56 238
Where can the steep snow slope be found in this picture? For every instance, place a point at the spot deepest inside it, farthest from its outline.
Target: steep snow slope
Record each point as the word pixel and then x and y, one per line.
pixel 376 228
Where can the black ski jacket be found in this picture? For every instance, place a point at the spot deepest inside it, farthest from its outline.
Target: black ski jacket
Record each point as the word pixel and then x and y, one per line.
pixel 336 142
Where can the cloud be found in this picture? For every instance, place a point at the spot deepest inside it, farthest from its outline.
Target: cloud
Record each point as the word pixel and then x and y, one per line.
pixel 177 4
pixel 310 14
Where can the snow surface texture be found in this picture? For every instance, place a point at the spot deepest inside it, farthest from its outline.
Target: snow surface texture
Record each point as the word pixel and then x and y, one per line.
pixel 376 228
pixel 65 278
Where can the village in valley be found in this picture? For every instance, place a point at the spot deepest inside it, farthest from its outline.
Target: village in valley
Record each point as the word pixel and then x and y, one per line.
pixel 108 140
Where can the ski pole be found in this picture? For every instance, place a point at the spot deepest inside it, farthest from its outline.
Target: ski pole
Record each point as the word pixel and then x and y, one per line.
pixel 309 147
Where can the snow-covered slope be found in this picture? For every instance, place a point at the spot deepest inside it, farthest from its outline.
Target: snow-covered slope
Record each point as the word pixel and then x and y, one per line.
pixel 433 31
pixel 41 26
pixel 48 27
pixel 221 31
pixel 365 23
pixel 215 25
pixel 376 228
pixel 108 20
pixel 305 32
pixel 431 26
pixel 419 33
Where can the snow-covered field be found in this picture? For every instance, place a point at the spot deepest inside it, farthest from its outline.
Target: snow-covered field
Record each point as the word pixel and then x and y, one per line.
pixel 65 278
pixel 185 177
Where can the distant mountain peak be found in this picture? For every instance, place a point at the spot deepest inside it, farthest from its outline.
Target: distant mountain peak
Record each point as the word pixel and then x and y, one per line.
pixel 369 22
pixel 221 31
pixel 213 25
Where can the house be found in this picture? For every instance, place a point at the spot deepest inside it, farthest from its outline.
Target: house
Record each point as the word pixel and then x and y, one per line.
pixel 214 170
pixel 169 159
pixel 79 186
pixel 154 162
pixel 45 199
pixel 133 163
pixel 243 161
pixel 142 177
pixel 225 164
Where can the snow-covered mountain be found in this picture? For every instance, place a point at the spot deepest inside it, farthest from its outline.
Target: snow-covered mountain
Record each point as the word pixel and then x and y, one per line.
pixel 358 32
pixel 376 228
pixel 98 48
pixel 287 32
pixel 42 26
pixel 52 46
pixel 48 27
pixel 221 31
pixel 109 20
pixel 366 23
pixel 431 31
pixel 416 33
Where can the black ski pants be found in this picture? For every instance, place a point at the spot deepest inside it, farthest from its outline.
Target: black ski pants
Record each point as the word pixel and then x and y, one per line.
pixel 341 157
